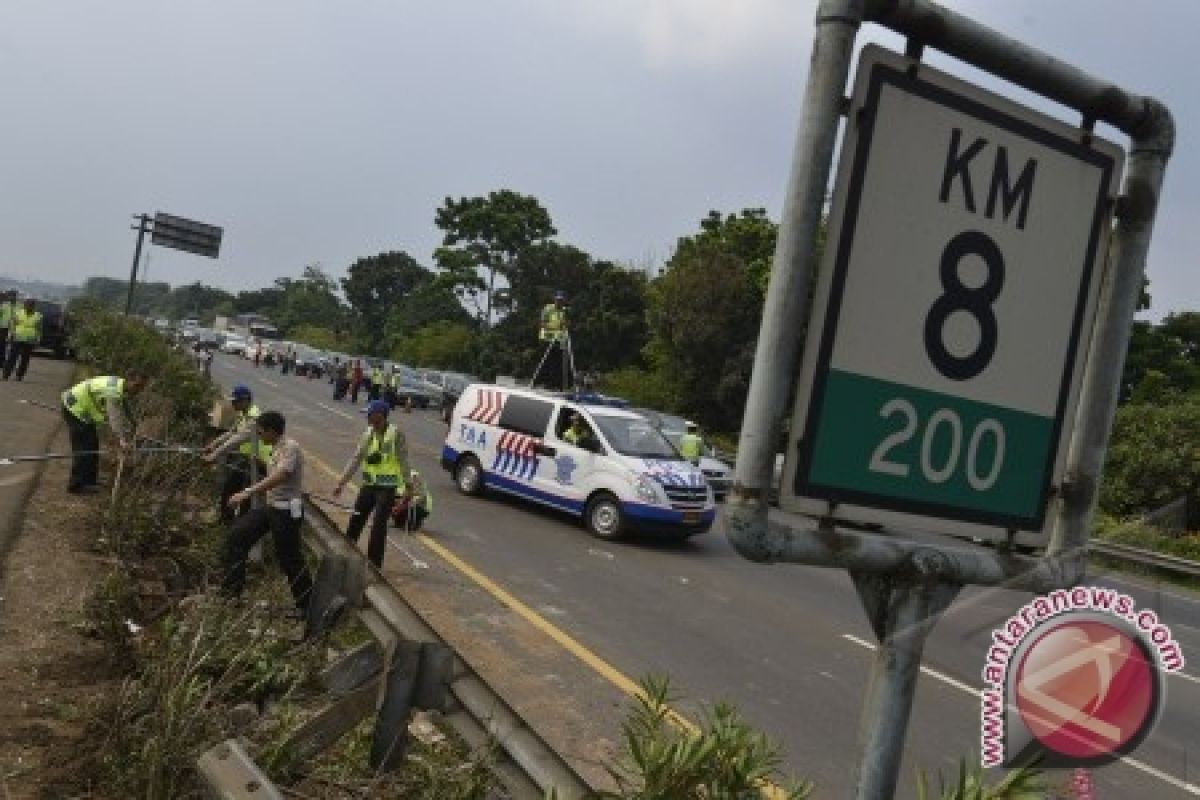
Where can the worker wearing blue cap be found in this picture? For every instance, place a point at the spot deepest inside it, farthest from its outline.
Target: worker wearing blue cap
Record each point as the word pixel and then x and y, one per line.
pixel 383 455
pixel 244 436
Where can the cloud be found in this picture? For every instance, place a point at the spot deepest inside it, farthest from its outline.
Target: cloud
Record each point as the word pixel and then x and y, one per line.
pixel 674 34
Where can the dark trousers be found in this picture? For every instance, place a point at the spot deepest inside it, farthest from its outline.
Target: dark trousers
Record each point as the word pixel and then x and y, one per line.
pixel 237 477
pixel 3 345
pixel 18 357
pixel 354 387
pixel 85 462
pixel 376 499
pixel 285 534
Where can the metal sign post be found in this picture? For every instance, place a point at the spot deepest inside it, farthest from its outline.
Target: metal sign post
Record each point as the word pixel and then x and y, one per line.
pixel 143 220
pixel 175 232
pixel 936 243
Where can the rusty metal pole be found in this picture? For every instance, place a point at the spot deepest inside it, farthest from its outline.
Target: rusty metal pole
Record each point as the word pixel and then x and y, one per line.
pixel 902 611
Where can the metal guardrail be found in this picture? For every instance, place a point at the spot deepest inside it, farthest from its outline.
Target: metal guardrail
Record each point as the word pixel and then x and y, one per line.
pixel 1146 558
pixel 407 666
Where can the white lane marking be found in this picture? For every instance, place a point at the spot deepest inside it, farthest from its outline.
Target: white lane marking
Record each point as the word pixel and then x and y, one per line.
pixel 269 382
pixel 337 411
pixel 930 672
pixel 1185 676
pixel 1190 788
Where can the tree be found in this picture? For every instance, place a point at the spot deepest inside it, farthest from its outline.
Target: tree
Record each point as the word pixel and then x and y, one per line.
pixel 441 345
pixel 196 300
pixel 1153 456
pixel 310 300
pixel 1163 361
pixel 148 298
pixel 704 315
pixel 489 234
pixel 375 286
pixel 748 235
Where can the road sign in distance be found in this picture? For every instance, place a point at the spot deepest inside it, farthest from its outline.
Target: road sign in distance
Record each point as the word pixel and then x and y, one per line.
pixel 186 234
pixel 953 309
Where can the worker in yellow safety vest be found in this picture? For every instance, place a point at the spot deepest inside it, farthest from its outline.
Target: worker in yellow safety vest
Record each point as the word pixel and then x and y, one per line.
pixel 244 436
pixel 554 319
pixel 375 390
pixel 8 307
pixel 26 332
pixel 690 444
pixel 383 455
pixel 85 406
pixel 410 511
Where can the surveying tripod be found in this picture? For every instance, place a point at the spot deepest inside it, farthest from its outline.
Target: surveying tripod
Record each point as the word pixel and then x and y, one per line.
pixel 568 360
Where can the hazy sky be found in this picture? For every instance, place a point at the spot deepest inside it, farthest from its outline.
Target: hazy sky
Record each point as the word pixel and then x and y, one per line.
pixel 322 132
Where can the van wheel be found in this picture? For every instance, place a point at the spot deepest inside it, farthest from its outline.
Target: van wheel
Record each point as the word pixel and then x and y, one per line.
pixel 603 517
pixel 469 476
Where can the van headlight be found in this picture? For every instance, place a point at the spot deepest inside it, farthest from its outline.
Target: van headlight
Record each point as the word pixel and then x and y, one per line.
pixel 645 489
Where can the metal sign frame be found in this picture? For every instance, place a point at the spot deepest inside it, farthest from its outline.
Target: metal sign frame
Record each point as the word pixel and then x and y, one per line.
pixel 184 234
pixel 905 581
pixel 849 495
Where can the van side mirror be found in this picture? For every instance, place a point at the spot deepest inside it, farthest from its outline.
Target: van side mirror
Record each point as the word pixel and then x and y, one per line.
pixel 544 450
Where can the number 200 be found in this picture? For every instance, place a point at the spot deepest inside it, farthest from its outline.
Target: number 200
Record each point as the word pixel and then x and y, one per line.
pixel 942 418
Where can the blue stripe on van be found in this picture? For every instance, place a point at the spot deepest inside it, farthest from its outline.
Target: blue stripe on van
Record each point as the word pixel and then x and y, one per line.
pixel 638 511
pixel 494 481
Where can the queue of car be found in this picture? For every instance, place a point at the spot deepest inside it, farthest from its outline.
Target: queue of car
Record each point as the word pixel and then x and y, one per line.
pixel 626 476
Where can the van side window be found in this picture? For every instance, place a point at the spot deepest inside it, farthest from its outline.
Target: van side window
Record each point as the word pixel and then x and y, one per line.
pixel 572 428
pixel 526 415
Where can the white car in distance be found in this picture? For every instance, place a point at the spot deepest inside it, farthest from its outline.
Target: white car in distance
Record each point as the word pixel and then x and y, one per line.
pixel 234 345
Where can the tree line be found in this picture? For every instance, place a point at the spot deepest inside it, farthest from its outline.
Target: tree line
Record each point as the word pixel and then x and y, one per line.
pixel 682 341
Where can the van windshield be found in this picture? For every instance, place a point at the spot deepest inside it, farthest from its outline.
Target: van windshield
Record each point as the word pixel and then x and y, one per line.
pixel 634 436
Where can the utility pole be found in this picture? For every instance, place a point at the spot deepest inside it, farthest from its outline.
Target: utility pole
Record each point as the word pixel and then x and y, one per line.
pixel 143 221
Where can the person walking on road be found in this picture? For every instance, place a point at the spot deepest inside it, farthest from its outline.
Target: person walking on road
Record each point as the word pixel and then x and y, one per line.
pixel 26 332
pixel 383 454
pixel 8 307
pixel 375 391
pixel 356 381
pixel 690 443
pixel 85 406
pixel 244 436
pixel 281 516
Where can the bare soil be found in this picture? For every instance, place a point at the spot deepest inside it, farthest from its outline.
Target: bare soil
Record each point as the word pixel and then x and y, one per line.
pixel 51 673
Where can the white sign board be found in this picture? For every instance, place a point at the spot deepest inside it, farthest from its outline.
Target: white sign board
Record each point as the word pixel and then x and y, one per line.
pixel 953 308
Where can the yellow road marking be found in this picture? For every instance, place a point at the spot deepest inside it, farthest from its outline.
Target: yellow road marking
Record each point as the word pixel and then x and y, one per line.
pixel 599 665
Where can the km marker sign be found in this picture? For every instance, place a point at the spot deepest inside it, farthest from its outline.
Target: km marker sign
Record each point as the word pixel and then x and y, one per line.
pixel 940 379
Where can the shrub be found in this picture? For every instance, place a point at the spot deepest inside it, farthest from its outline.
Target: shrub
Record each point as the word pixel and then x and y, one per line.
pixel 1153 456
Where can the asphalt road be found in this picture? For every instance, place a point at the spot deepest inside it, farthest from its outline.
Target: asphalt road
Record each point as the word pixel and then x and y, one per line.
pixel 562 623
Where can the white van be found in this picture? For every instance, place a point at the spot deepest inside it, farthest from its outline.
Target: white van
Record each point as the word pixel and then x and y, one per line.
pixel 623 477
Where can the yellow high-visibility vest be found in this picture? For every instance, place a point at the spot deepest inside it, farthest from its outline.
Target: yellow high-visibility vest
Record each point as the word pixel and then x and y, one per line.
pixel 88 400
pixel 689 447
pixel 248 417
pixel 389 469
pixel 554 323
pixel 26 325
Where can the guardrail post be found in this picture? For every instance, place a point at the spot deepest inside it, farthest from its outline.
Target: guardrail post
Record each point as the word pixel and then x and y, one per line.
pixel 433 677
pixel 390 740
pixel 327 600
pixel 229 774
